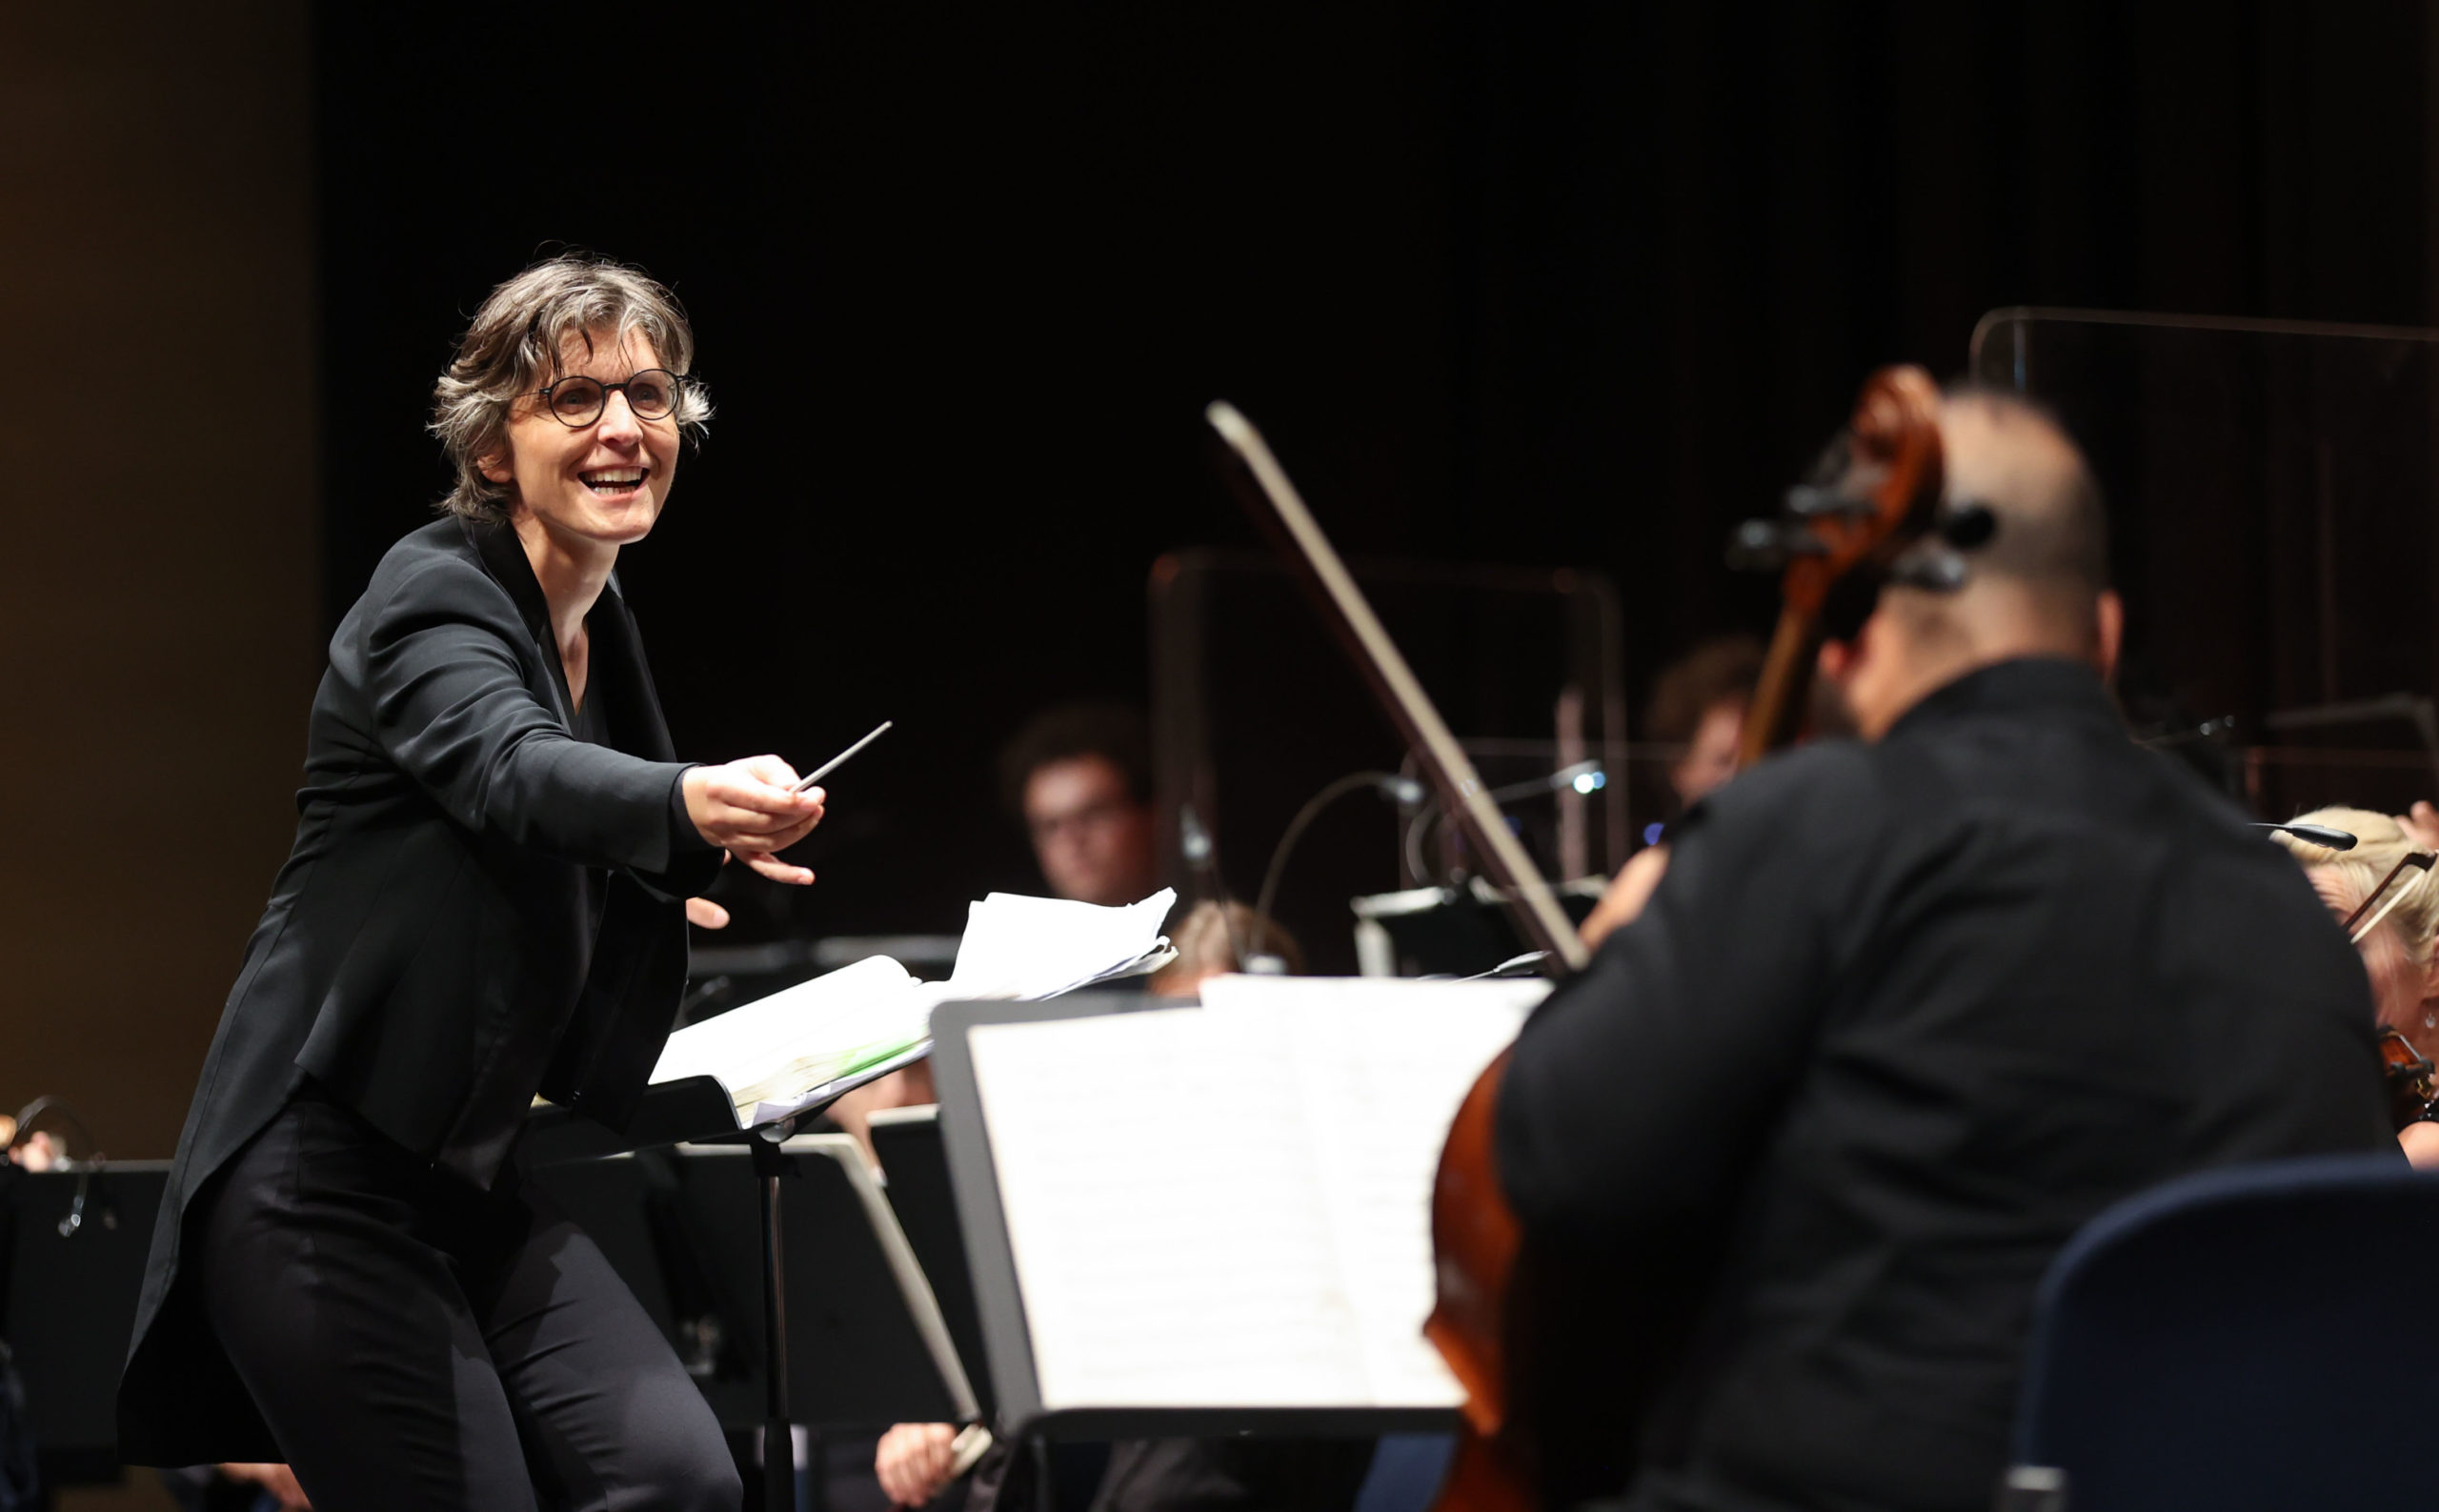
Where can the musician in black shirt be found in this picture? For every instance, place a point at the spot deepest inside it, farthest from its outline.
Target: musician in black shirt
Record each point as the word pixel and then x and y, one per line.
pixel 1902 1016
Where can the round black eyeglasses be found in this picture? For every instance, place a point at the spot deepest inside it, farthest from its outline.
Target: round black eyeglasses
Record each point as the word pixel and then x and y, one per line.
pixel 576 402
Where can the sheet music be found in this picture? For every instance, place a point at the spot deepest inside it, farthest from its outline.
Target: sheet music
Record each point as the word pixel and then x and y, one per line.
pixel 775 1054
pixel 1382 1065
pixel 1231 1207
pixel 1170 1240
pixel 1039 947
pixel 806 1034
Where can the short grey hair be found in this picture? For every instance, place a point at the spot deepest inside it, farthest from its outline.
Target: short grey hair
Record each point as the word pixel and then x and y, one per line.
pixel 512 348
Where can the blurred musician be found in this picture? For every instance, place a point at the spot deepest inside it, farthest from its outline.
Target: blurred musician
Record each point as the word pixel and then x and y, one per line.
pixel 1698 704
pixel 1080 778
pixel 2397 951
pixel 485 901
pixel 1902 1016
pixel 1208 939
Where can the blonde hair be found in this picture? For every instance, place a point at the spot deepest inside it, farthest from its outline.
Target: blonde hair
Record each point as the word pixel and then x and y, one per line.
pixel 513 346
pixel 2380 843
pixel 1207 940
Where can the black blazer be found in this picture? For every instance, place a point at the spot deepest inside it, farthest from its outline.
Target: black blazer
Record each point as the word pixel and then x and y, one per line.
pixel 429 954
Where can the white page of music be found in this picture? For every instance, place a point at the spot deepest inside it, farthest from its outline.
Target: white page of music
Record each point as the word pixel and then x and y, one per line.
pixel 1383 1065
pixel 1231 1207
pixel 1168 1233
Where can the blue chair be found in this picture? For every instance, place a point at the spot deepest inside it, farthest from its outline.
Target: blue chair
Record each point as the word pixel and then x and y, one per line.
pixel 2254 1338
pixel 1406 1472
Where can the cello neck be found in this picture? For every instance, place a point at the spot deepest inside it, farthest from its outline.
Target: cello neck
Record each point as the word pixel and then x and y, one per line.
pixel 1783 695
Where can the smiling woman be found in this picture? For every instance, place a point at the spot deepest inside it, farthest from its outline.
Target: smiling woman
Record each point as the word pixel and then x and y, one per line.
pixel 486 900
pixel 572 316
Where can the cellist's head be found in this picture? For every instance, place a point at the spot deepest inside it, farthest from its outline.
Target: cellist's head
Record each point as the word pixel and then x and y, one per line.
pixel 2038 588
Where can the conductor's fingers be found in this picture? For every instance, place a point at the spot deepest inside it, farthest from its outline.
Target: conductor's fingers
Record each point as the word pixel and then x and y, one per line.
pixel 777 869
pixel 761 809
pixel 741 830
pixel 765 789
pixel 704 914
pixel 768 769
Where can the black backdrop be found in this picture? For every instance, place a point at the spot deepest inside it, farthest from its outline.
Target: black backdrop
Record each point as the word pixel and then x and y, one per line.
pixel 1544 285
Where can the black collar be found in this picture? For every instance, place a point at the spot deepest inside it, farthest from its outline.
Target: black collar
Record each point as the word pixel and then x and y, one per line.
pixel 617 652
pixel 503 555
pixel 2043 686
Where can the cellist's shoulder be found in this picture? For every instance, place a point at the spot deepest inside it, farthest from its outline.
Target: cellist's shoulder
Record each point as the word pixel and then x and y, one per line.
pixel 1836 785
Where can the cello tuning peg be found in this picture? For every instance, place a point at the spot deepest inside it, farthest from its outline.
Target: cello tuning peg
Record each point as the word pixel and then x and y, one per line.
pixel 1766 546
pixel 1931 565
pixel 1755 546
pixel 1812 501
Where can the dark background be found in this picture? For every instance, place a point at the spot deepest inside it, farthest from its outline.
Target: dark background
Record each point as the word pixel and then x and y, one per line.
pixel 1553 285
pixel 1550 285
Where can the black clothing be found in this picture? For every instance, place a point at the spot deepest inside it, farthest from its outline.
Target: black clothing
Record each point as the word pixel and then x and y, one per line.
pixel 487 1345
pixel 1899 1020
pixel 429 954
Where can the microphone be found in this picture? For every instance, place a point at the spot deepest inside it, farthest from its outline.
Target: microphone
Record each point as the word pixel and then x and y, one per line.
pixel 1584 776
pixel 1403 791
pixel 1587 777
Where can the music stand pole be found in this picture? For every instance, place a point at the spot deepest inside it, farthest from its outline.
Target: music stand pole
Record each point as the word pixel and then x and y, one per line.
pixel 778 1432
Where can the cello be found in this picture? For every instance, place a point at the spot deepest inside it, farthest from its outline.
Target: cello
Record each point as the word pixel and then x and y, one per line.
pixel 1505 1309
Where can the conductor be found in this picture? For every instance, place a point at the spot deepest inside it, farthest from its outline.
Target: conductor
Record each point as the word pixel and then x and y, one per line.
pixel 486 899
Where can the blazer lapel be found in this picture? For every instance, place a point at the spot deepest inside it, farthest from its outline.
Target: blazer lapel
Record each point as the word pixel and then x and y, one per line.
pixel 618 658
pixel 503 556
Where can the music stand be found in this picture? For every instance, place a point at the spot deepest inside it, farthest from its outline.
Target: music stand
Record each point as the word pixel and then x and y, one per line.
pixel 907 1141
pixel 75 1268
pixel 1007 1335
pixel 699 1110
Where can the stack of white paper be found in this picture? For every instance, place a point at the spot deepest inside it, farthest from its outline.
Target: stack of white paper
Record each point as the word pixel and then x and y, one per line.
pixel 776 1055
pixel 1039 947
pixel 1240 1214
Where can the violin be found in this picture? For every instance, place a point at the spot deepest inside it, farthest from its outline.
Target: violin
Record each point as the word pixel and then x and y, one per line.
pixel 1511 1315
pixel 2413 1086
pixel 2412 1081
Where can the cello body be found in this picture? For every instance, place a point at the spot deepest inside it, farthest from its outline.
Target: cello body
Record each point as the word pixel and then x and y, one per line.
pixel 1546 1420
pixel 1475 1241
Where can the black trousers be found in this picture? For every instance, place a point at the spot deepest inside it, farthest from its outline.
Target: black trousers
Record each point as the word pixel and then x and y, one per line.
pixel 414 1342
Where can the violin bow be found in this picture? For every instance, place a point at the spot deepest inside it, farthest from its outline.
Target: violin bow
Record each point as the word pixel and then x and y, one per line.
pixel 2420 861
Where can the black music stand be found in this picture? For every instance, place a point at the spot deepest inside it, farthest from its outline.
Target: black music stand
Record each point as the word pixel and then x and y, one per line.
pixel 75 1268
pixel 699 1110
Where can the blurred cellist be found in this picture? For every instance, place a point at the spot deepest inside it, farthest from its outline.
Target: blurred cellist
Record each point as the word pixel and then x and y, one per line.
pixel 1901 1014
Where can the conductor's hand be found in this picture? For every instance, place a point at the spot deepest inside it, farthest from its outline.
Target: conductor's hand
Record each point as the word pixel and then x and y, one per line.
pixel 914 1461
pixel 750 809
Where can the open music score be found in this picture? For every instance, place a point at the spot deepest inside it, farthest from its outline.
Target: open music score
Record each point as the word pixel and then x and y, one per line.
pixel 784 1052
pixel 1238 1215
